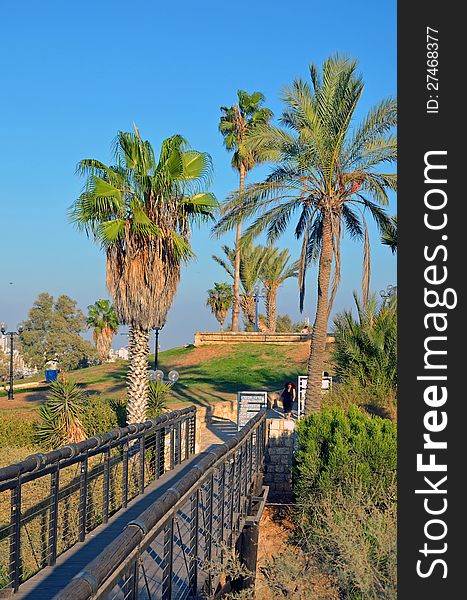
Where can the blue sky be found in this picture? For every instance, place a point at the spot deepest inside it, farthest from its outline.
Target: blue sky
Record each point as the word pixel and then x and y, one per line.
pixel 74 73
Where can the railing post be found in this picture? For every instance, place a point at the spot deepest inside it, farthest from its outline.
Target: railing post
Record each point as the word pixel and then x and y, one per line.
pixel 167 571
pixel 106 486
pixel 193 433
pixel 142 454
pixel 15 541
pixel 187 422
pixel 134 585
pixel 125 475
pixel 194 536
pixel 159 454
pixel 172 446
pixel 53 523
pixel 179 442
pixel 83 497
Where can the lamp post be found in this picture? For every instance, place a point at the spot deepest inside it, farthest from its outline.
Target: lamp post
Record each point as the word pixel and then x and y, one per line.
pixel 156 346
pixel 388 293
pixel 256 297
pixel 11 334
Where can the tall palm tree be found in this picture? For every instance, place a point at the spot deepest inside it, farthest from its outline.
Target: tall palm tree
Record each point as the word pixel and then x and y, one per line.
pixel 329 173
pixel 389 235
pixel 252 260
pixel 104 321
pixel 140 210
pixel 276 269
pixel 235 124
pixel 220 299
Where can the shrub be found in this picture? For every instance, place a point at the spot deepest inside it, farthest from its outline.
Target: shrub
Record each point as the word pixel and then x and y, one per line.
pixel 344 478
pixel 99 415
pixel 158 392
pixel 337 446
pixel 16 431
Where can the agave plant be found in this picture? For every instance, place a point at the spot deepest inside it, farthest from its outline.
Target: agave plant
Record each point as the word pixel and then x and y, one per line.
pixel 62 415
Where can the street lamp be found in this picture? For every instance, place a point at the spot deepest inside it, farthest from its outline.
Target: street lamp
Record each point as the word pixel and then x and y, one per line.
pixel 156 346
pixel 256 297
pixel 388 293
pixel 3 329
pixel 158 375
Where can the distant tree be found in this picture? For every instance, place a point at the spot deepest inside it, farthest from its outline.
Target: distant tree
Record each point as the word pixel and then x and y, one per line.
pixel 103 318
pixel 235 124
pixel 252 260
pixel 62 415
pixel 220 299
pixel 52 332
pixel 276 269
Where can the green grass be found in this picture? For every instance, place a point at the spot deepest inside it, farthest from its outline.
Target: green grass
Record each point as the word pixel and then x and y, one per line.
pixel 207 374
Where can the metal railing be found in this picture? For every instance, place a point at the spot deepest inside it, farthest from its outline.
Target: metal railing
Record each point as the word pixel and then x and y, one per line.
pixel 168 552
pixel 48 502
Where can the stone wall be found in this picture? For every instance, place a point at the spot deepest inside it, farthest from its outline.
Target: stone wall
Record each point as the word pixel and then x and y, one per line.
pixel 280 444
pixel 231 337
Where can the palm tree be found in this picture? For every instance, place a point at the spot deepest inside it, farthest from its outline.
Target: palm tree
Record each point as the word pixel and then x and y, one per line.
pixel 252 260
pixel 62 415
pixel 366 348
pixel 220 300
pixel 103 318
pixel 235 124
pixel 276 269
pixel 140 211
pixel 328 172
pixel 389 235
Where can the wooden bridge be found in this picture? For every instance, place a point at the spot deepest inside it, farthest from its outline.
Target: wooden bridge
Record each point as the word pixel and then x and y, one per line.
pixel 133 513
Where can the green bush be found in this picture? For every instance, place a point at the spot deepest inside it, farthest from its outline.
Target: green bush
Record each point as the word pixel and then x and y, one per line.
pixel 16 431
pixel 345 483
pixel 99 415
pixel 336 447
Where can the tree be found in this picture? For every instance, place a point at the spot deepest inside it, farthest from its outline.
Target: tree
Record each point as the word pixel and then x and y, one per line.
pixel 328 170
pixel 235 124
pixel 389 235
pixel 365 349
pixel 103 318
pixel 62 415
pixel 276 269
pixel 251 263
pixel 140 211
pixel 52 332
pixel 220 300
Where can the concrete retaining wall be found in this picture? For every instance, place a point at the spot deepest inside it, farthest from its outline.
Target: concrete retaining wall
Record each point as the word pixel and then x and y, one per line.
pixel 230 337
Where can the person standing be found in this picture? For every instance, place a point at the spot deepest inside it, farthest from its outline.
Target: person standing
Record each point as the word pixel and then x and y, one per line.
pixel 288 398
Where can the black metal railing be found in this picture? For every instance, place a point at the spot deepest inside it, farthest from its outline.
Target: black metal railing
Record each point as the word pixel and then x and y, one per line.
pixel 174 548
pixel 48 502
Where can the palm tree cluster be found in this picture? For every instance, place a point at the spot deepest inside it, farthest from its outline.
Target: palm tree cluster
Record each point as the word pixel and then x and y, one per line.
pixel 326 177
pixel 259 265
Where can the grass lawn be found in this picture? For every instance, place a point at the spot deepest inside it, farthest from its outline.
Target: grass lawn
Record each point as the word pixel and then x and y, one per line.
pixel 208 374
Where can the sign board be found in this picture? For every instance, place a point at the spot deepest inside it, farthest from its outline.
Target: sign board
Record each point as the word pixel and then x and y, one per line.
pixel 249 404
pixel 326 385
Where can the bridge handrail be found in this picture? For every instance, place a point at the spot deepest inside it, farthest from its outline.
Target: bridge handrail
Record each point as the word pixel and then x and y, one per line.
pixel 112 563
pixel 37 462
pixel 120 462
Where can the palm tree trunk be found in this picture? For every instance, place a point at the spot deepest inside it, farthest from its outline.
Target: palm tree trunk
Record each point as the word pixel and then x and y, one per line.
pixel 236 285
pixel 271 308
pixel 319 332
pixel 137 379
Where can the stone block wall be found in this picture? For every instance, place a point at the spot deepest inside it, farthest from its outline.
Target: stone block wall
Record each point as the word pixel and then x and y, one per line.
pixel 280 445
